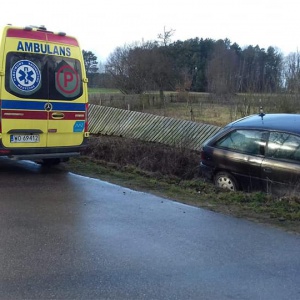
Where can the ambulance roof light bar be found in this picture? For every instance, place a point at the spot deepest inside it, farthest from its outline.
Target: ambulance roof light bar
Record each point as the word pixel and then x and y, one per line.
pixel 42 27
pixel 30 27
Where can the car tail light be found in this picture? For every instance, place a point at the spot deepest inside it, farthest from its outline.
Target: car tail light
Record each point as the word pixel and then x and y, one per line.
pixel 4 152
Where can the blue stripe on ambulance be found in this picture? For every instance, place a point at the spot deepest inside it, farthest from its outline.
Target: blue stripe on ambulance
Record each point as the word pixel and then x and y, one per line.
pixel 36 105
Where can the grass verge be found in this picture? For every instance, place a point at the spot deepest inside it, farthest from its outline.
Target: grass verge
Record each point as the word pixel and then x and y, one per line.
pixel 171 173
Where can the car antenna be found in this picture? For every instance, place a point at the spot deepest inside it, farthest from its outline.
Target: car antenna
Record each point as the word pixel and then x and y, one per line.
pixel 261 111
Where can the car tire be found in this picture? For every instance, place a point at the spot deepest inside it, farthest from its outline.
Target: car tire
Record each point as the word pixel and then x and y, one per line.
pixel 226 181
pixel 49 162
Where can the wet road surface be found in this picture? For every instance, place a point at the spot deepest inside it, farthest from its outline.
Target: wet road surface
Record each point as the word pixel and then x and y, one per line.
pixel 64 236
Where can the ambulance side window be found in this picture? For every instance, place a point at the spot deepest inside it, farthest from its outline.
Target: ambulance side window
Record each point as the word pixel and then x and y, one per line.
pixel 25 75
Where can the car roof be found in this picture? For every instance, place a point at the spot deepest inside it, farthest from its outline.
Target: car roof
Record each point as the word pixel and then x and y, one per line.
pixel 282 122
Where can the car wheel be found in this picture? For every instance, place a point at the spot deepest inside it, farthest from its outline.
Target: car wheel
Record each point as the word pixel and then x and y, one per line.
pixel 226 181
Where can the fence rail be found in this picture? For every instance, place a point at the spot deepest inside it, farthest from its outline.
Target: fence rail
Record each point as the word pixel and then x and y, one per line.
pixel 147 127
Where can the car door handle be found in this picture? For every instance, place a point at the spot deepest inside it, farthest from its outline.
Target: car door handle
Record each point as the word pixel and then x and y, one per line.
pixel 57 116
pixel 267 170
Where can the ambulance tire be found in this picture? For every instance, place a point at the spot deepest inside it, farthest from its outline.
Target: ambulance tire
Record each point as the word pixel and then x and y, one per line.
pixel 49 162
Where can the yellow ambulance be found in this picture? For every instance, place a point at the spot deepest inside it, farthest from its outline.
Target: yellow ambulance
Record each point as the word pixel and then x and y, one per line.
pixel 43 95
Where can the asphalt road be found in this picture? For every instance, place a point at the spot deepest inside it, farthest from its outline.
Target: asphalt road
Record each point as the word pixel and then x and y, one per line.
pixel 64 236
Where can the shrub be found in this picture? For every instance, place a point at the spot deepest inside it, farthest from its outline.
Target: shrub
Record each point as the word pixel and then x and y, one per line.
pixel 152 157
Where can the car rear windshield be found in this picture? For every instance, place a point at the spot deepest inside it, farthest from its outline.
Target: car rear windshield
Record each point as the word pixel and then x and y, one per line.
pixel 38 76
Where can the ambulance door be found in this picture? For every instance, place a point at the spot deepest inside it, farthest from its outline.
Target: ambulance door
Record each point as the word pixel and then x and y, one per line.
pixel 66 102
pixel 24 101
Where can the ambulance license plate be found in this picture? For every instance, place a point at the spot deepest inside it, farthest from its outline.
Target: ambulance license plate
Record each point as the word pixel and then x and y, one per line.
pixel 24 138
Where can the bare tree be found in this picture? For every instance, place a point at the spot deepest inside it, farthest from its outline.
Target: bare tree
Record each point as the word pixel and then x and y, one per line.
pixel 138 68
pixel 117 67
pixel 292 72
pixel 166 36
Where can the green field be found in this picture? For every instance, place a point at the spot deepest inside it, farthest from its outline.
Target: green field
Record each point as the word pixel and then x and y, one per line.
pixel 103 91
pixel 198 107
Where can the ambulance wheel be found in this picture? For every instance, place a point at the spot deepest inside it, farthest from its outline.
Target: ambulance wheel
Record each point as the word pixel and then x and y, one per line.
pixel 48 162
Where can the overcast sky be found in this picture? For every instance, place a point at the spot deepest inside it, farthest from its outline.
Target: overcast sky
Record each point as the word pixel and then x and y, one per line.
pixel 103 25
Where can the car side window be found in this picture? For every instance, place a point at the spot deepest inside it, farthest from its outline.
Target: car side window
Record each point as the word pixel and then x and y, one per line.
pixel 284 146
pixel 246 141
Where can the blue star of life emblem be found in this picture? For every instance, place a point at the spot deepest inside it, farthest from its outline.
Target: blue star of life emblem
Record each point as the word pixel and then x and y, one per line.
pixel 25 75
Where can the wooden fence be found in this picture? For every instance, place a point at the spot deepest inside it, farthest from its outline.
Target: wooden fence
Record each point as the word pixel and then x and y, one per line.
pixel 148 127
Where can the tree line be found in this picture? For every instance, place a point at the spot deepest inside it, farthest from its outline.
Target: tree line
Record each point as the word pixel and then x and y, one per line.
pixel 196 65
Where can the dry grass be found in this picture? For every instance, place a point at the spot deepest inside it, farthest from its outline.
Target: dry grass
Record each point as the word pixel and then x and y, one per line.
pixel 214 114
pixel 151 157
